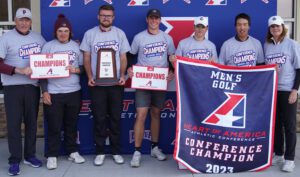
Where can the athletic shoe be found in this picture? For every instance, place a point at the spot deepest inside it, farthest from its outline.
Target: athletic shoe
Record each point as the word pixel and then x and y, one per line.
pixel 14 169
pixel 33 161
pixel 99 160
pixel 118 159
pixel 76 158
pixel 277 160
pixel 51 163
pixel 156 152
pixel 288 166
pixel 136 159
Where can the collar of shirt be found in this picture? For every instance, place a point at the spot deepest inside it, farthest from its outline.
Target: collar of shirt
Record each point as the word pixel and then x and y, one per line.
pixel 238 39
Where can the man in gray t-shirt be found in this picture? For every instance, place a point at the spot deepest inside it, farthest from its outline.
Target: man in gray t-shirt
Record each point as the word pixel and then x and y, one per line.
pixel 21 94
pixel 152 47
pixel 108 99
pixel 196 46
pixel 242 49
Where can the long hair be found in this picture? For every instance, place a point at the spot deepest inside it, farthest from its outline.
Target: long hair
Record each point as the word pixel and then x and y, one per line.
pixel 282 35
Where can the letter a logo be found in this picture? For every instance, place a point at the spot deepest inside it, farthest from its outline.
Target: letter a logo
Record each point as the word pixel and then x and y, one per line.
pixel 50 72
pixel 149 84
pixel 231 113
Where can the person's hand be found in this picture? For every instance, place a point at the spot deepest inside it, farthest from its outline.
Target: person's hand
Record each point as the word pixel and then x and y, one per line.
pixel 212 60
pixel 122 80
pixel 91 82
pixel 171 76
pixel 130 72
pixel 277 68
pixel 25 71
pixel 293 96
pixel 72 69
pixel 172 58
pixel 47 98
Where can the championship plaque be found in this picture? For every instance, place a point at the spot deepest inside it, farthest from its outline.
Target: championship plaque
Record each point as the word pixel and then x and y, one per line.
pixel 106 73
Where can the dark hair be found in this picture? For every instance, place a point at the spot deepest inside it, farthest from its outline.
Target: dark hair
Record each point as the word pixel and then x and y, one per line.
pixel 106 7
pixel 244 16
pixel 282 35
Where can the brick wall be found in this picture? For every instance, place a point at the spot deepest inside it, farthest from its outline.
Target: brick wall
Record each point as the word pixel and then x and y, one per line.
pixel 40 132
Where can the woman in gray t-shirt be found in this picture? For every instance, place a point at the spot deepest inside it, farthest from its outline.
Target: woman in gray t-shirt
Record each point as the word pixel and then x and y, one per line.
pixel 62 96
pixel 284 52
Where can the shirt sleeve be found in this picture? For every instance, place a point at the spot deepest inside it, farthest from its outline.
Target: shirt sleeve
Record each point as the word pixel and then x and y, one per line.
pixel 80 58
pixel 179 50
pixel 3 48
pixel 85 45
pixel 222 55
pixel 296 60
pixel 125 47
pixel 214 53
pixel 134 46
pixel 46 48
pixel 260 53
pixel 171 47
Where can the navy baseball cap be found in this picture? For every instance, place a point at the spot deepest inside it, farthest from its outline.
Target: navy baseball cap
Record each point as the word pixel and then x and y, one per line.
pixel 153 12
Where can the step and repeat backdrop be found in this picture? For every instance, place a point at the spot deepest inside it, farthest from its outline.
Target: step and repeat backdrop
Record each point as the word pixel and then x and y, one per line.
pixel 177 20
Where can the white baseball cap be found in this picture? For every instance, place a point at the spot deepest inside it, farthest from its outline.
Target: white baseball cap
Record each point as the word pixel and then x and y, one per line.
pixel 201 21
pixel 275 20
pixel 23 13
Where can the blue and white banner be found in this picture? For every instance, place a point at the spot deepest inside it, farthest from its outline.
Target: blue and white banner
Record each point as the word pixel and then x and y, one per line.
pixel 225 116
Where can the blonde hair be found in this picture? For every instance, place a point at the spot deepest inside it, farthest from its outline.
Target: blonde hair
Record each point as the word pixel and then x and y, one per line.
pixel 282 35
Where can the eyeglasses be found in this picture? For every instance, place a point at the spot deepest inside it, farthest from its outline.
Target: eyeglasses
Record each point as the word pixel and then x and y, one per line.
pixel 106 16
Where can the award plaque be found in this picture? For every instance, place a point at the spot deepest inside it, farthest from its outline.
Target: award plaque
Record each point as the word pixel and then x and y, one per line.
pixel 106 73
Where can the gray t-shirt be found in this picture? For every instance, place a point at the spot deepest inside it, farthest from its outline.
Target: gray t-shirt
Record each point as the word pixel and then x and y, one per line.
pixel 94 39
pixel 201 50
pixel 153 50
pixel 15 50
pixel 287 55
pixel 69 84
pixel 241 53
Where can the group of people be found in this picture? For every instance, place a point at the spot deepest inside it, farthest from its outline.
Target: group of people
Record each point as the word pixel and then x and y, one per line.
pixel 62 96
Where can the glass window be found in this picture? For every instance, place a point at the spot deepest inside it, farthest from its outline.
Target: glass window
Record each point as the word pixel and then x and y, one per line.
pixel 9 8
pixel 4 10
pixel 17 4
pixel 285 8
pixel 290 27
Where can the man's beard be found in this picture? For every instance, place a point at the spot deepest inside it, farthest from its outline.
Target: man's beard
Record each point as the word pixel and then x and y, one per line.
pixel 105 25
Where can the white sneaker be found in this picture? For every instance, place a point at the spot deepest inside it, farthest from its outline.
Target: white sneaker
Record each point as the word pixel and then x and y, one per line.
pixel 99 160
pixel 156 152
pixel 136 159
pixel 288 166
pixel 118 159
pixel 76 158
pixel 51 163
pixel 277 160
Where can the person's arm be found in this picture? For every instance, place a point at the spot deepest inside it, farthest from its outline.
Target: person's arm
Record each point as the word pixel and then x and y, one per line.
pixel 10 70
pixel 46 94
pixel 294 93
pixel 88 68
pixel 5 68
pixel 123 66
